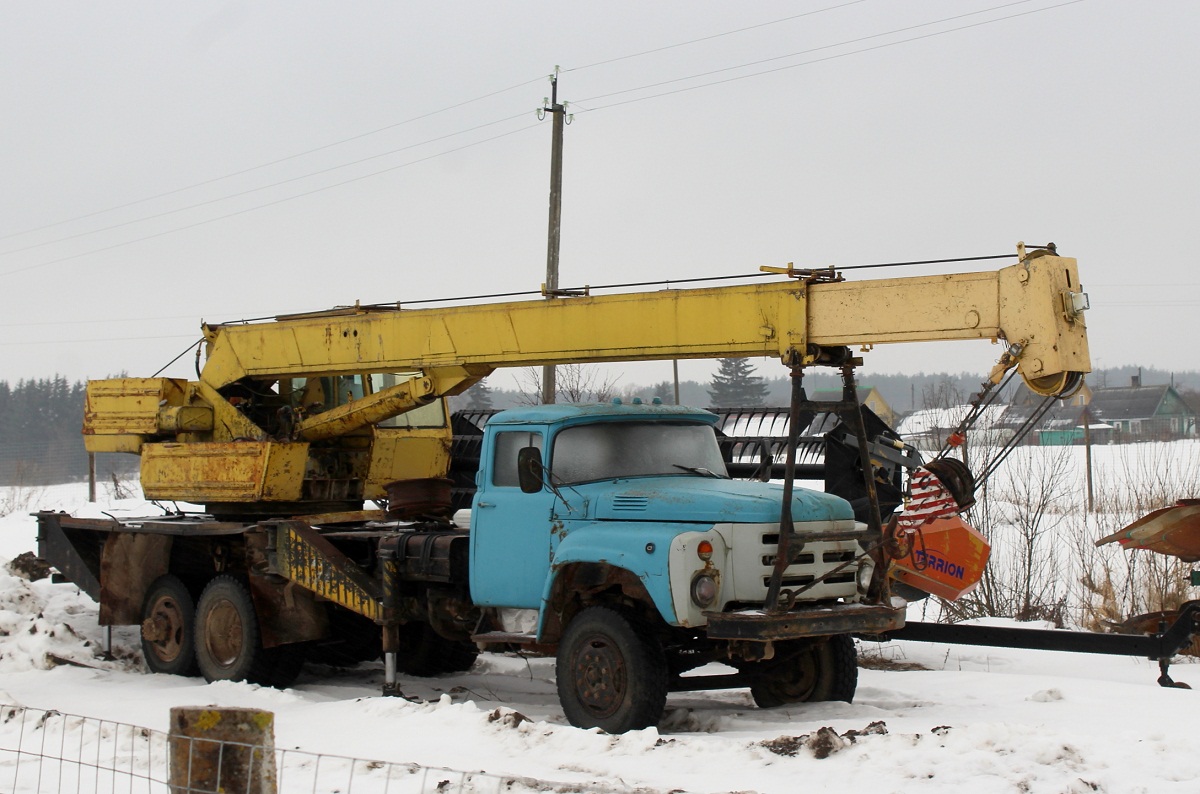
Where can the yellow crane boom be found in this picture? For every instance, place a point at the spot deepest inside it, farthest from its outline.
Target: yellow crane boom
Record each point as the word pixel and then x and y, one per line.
pixel 1023 303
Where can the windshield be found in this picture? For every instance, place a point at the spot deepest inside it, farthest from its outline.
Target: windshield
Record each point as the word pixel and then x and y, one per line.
pixel 608 450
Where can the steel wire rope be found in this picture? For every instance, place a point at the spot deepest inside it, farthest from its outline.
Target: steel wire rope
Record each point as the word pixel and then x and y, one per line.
pixel 583 109
pixel 630 284
pixel 1022 431
pixel 988 396
pixel 183 353
pixel 272 162
pixel 260 188
pixel 266 204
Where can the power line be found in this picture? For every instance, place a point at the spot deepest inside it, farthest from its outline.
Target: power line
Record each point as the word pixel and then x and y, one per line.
pixel 243 211
pixel 615 104
pixel 100 320
pixel 360 136
pixel 97 339
pixel 272 162
pixel 710 38
pixel 260 188
pixel 442 110
pixel 814 61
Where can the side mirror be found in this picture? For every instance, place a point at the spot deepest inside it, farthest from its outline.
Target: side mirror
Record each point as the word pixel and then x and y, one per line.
pixel 530 469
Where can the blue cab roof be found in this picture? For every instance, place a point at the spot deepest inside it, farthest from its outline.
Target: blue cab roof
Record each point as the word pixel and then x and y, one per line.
pixel 562 412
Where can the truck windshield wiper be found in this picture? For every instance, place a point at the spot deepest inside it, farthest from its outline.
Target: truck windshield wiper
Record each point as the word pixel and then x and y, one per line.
pixel 699 470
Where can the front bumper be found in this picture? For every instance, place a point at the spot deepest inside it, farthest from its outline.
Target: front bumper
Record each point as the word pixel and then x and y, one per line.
pixel 757 625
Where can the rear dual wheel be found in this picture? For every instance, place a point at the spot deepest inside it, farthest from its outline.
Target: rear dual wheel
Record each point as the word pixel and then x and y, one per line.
pixel 228 639
pixel 424 652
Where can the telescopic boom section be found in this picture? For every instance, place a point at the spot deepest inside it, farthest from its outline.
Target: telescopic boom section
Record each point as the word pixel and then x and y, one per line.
pixel 1035 307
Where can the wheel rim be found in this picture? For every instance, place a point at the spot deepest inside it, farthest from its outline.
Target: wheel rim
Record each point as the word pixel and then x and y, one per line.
pixel 223 633
pixel 798 679
pixel 165 634
pixel 601 678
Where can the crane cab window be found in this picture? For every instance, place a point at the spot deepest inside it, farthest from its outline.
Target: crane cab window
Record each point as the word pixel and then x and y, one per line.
pixel 431 415
pixel 507 445
pixel 315 395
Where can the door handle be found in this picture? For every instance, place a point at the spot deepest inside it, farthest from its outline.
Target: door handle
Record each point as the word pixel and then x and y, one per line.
pixel 484 504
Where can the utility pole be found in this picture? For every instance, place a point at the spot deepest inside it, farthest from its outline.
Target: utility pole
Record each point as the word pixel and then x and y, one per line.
pixel 551 287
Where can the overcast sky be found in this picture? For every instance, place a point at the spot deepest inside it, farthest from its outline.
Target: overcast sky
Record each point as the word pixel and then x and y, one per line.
pixel 863 134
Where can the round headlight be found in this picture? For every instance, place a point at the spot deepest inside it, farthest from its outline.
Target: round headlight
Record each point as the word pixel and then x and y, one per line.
pixel 704 590
pixel 866 570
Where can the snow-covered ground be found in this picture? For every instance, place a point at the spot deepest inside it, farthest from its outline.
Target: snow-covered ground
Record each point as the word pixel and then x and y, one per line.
pixel 978 720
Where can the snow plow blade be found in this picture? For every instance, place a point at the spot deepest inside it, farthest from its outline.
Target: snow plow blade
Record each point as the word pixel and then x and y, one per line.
pixel 1174 531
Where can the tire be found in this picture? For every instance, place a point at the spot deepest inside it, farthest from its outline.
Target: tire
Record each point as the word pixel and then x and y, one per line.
pixel 168 627
pixel 610 674
pixel 804 672
pixel 228 642
pixel 424 652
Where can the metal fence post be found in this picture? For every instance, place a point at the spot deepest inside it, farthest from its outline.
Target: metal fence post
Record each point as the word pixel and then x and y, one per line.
pixel 228 750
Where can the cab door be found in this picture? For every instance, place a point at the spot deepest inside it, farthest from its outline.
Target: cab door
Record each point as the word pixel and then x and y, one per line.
pixel 511 540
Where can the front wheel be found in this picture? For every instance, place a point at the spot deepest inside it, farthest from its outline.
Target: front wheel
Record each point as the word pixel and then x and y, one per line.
pixel 610 675
pixel 803 672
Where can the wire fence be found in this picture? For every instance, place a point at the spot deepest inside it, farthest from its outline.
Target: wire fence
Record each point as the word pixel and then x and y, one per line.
pixel 49 751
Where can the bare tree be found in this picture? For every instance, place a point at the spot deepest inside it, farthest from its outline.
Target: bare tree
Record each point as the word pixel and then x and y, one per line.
pixel 575 383
pixel 529 386
pixel 1021 515
pixel 578 383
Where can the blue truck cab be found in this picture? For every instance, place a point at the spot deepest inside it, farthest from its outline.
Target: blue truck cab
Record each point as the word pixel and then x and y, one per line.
pixel 622 519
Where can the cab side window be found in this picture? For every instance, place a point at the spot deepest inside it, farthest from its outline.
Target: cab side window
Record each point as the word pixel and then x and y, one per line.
pixel 507 445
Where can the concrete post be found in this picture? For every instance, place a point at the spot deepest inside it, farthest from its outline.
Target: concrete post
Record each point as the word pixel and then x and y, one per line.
pixel 228 750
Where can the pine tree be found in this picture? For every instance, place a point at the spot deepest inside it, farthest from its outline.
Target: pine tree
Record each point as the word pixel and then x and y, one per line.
pixel 735 385
pixel 665 391
pixel 479 397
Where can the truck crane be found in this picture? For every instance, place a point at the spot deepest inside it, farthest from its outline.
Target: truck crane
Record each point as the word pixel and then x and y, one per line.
pixel 607 535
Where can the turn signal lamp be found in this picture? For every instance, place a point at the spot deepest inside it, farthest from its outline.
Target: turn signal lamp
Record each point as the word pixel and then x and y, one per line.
pixel 704 550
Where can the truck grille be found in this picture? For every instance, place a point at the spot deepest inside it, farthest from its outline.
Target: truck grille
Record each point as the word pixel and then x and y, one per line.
pixel 754 550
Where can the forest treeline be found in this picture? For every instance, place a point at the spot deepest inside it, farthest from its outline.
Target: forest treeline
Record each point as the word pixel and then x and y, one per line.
pixel 40 440
pixel 40 419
